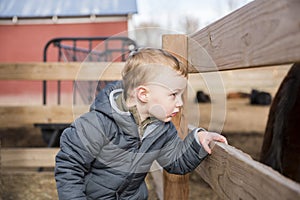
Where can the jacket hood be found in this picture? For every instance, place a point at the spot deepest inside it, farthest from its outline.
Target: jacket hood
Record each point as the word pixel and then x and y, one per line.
pixel 105 103
pixel 102 101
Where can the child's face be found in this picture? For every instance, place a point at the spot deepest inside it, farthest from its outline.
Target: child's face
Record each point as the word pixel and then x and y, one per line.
pixel 165 94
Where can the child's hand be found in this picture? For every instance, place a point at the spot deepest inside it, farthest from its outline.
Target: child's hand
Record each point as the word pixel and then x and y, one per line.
pixel 205 137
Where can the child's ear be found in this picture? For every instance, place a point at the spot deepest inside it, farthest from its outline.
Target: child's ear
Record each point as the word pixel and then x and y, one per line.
pixel 142 94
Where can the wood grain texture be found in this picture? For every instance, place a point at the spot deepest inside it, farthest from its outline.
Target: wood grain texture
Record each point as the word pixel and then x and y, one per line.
pixel 61 71
pixel 234 175
pixel 157 175
pixel 177 186
pixel 263 32
pixel 28 157
pixel 18 116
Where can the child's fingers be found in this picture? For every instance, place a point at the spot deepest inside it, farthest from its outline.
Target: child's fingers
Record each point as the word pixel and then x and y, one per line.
pixel 225 140
pixel 207 149
pixel 205 145
pixel 220 138
pixel 206 137
pixel 217 137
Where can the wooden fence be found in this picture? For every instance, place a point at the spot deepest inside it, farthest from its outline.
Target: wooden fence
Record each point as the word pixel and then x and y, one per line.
pixel 262 33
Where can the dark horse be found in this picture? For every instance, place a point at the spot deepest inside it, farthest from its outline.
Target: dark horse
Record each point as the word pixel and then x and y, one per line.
pixel 281 146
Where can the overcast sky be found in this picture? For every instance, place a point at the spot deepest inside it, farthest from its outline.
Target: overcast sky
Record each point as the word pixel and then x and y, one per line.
pixel 166 12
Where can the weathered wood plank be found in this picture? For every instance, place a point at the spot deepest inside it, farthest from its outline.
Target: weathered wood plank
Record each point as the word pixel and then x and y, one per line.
pixel 157 175
pixel 28 157
pixel 264 32
pixel 61 71
pixel 176 186
pixel 17 116
pixel 234 175
pixel 34 185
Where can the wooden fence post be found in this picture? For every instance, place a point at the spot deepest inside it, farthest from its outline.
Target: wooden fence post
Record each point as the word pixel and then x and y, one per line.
pixel 177 186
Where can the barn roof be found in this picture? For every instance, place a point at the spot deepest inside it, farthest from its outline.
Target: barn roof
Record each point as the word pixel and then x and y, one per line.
pixel 65 8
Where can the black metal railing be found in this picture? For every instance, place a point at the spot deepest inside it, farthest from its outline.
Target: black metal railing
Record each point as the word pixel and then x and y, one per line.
pixel 86 49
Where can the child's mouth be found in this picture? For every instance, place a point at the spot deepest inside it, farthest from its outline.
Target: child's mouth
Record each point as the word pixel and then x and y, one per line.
pixel 173 114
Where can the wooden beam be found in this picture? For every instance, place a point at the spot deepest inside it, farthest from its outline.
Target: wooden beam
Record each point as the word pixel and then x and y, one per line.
pixel 19 177
pixel 234 175
pixel 156 172
pixel 262 33
pixel 177 186
pixel 18 116
pixel 28 157
pixel 61 71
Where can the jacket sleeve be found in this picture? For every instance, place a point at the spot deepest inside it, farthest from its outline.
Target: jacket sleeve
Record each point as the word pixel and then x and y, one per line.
pixel 79 145
pixel 181 156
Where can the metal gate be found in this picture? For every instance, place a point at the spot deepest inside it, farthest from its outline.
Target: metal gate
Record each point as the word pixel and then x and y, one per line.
pixel 86 49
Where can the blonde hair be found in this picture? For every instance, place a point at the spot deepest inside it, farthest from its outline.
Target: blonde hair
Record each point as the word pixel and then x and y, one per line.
pixel 137 70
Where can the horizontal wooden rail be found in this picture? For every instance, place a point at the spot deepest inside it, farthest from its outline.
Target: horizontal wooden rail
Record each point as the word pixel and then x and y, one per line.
pixel 66 71
pixel 61 71
pixel 231 173
pixel 28 157
pixel 18 116
pixel 234 175
pixel 264 32
pixel 20 180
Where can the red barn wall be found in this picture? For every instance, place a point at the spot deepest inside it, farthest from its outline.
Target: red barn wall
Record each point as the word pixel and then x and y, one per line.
pixel 25 43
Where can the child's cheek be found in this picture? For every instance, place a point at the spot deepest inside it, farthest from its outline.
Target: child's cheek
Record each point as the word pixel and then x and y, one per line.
pixel 158 111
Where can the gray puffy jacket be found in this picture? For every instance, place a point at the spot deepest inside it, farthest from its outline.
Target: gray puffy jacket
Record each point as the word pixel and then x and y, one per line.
pixel 102 156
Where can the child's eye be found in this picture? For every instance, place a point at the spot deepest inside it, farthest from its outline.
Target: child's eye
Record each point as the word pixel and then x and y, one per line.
pixel 174 94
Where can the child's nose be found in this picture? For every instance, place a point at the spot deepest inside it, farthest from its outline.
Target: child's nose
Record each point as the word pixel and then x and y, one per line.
pixel 179 101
